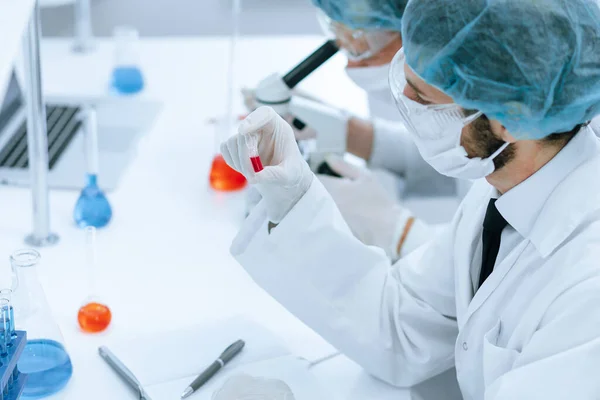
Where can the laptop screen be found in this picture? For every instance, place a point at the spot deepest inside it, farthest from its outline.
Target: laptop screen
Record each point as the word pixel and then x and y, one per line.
pixel 11 103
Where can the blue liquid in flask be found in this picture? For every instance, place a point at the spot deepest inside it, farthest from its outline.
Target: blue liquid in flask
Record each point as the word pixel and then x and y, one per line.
pixel 92 207
pixel 127 80
pixel 48 366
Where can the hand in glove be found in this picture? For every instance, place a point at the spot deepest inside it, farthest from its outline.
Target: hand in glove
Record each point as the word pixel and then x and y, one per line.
pixel 371 212
pixel 285 177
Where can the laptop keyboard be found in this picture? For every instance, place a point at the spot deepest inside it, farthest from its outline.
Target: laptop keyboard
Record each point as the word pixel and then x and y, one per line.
pixel 61 124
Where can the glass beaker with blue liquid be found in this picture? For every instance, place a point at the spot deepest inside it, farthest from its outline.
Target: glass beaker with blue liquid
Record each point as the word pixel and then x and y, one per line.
pixel 127 76
pixel 44 358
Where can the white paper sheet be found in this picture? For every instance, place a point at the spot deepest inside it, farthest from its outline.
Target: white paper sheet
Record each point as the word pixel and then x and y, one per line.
pixel 171 356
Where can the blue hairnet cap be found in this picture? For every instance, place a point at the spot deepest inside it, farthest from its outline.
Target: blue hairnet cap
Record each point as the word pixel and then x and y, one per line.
pixel 365 14
pixel 534 65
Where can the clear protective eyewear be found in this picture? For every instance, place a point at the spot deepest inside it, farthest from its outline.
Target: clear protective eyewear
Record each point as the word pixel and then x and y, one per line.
pixel 357 44
pixel 426 121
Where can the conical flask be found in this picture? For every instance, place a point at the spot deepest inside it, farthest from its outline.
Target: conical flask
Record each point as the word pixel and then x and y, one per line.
pixel 45 358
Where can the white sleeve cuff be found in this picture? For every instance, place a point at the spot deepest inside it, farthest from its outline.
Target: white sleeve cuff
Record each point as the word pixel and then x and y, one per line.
pixel 392 146
pixel 419 234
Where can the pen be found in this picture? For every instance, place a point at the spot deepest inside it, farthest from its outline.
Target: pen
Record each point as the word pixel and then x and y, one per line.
pixel 123 371
pixel 230 352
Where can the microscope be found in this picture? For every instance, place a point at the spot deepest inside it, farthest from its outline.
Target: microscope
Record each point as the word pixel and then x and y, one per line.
pixel 276 91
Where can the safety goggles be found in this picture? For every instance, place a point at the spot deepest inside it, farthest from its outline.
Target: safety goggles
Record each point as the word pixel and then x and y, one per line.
pixel 357 44
pixel 426 121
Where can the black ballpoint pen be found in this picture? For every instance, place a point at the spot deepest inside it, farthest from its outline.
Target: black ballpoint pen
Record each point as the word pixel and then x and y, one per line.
pixel 230 352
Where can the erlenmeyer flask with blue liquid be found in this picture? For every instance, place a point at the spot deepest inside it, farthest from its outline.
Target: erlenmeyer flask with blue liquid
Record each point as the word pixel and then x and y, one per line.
pixel 44 359
pixel 92 207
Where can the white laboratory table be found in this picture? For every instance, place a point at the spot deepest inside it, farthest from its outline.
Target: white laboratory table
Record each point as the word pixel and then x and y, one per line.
pixel 164 258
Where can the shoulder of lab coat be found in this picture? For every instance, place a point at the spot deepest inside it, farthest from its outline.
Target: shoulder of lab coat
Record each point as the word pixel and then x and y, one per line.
pixel 394 150
pixel 398 323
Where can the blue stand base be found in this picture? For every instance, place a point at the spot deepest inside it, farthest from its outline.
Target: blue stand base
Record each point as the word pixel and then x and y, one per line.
pixel 11 381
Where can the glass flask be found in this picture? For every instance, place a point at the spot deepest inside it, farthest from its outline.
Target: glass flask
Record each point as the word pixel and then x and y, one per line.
pixel 222 177
pixel 94 315
pixel 44 358
pixel 127 76
pixel 92 207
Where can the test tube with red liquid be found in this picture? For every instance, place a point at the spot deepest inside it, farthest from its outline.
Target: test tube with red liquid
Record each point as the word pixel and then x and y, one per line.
pixel 252 143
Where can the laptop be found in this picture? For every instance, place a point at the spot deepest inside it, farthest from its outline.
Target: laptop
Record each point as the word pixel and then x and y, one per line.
pixel 118 136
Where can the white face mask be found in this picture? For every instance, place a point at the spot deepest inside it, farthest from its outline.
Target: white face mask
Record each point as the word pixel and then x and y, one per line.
pixel 370 78
pixel 444 152
pixel 437 129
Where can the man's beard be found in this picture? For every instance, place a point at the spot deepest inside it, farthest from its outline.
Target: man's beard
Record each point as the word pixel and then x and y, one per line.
pixel 482 142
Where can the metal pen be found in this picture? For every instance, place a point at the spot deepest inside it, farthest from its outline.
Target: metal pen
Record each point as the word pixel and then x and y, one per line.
pixel 123 372
pixel 228 354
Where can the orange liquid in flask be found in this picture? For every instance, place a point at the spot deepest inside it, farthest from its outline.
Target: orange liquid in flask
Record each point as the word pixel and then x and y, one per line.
pixel 94 317
pixel 223 177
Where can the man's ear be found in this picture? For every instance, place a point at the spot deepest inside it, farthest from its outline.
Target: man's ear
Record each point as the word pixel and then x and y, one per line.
pixel 500 131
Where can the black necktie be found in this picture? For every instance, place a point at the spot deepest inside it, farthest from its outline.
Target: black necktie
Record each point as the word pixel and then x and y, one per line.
pixel 493 224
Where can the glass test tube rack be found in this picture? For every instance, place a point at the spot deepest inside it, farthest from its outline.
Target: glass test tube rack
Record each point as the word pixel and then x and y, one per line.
pixel 11 381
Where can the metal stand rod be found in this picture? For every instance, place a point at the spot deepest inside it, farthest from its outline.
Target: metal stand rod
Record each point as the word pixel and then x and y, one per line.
pixel 83 26
pixel 37 139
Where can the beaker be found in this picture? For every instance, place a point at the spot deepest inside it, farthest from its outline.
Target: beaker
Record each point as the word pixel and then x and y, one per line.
pixel 44 358
pixel 127 76
pixel 94 315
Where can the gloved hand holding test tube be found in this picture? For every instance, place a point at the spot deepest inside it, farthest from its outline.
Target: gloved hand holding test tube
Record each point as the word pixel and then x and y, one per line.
pixel 286 176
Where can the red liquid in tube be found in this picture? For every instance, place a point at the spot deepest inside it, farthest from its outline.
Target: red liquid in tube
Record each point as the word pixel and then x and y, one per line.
pixel 256 163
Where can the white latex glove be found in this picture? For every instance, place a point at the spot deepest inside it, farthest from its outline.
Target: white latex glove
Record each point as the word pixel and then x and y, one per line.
pixel 286 176
pixel 371 212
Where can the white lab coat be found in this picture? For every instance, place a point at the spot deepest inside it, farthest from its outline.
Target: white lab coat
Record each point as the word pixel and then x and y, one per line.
pixel 532 331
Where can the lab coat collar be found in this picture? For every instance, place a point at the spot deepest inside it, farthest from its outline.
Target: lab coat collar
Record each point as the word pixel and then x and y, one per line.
pixel 560 195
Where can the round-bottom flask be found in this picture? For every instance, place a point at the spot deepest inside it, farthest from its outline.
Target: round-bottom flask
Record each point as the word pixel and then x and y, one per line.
pixel 94 316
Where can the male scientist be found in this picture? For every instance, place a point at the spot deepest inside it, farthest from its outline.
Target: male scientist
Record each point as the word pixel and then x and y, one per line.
pixel 509 292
